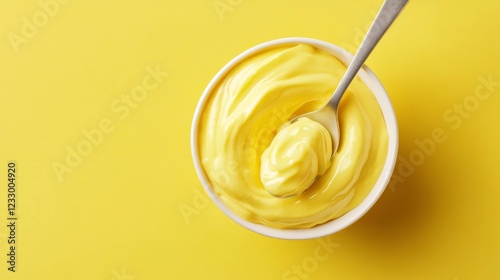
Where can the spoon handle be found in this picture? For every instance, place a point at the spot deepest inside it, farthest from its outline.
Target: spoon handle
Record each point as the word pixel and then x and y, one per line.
pixel 385 17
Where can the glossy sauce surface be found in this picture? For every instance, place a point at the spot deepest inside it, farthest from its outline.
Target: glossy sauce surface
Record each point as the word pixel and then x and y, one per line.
pixel 253 156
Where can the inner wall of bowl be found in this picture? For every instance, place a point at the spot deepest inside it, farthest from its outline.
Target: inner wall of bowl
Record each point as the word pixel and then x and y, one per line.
pixel 350 217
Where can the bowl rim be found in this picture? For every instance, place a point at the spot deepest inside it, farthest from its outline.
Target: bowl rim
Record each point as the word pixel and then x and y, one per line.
pixel 335 225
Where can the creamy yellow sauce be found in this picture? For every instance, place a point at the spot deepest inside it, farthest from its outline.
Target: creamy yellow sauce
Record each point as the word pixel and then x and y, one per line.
pixel 281 174
pixel 299 153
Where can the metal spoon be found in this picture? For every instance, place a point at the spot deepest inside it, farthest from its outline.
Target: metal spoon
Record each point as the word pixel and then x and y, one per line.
pixel 328 115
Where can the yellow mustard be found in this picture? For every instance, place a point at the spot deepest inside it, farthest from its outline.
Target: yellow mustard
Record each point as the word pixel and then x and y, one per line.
pixel 282 174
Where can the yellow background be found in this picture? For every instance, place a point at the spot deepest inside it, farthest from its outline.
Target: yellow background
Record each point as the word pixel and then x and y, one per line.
pixel 117 214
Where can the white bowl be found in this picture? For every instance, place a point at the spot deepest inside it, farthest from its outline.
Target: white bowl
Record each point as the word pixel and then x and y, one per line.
pixel 348 218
